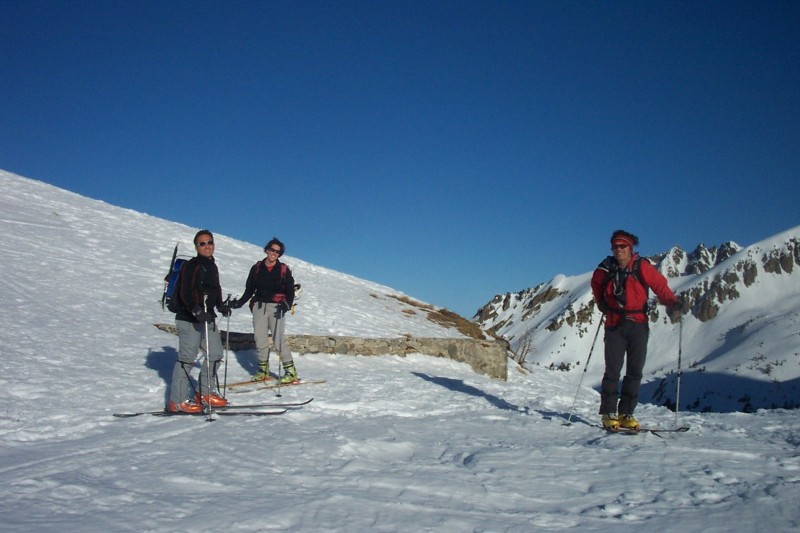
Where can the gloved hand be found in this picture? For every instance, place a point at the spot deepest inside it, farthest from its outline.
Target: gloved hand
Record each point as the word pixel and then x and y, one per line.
pixel 201 314
pixel 675 312
pixel 284 306
pixel 224 310
pixel 602 306
pixel 235 304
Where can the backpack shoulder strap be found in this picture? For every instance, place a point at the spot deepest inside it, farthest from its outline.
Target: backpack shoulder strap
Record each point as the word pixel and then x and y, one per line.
pixel 609 266
pixel 636 272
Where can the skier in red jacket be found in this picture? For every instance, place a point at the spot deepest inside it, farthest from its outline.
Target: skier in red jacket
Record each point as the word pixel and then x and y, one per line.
pixel 620 286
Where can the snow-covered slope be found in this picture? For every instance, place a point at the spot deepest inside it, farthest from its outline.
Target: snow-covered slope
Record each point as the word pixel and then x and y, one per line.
pixel 740 335
pixel 389 444
pixel 74 246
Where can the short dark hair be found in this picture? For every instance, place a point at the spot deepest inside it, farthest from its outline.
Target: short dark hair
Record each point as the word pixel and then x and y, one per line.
pixel 202 232
pixel 275 240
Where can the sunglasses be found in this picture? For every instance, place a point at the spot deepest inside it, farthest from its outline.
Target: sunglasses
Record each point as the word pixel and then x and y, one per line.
pixel 203 243
pixel 273 250
pixel 619 246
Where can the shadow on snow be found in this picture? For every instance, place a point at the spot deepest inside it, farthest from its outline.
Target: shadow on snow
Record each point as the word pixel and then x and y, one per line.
pixel 458 385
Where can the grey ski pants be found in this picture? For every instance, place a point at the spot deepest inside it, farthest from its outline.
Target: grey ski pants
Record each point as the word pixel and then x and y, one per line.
pixel 190 335
pixel 270 318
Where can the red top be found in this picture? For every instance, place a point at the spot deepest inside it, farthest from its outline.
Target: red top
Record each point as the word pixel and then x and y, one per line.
pixel 635 293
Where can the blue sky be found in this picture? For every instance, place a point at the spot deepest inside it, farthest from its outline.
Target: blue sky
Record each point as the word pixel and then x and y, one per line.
pixel 451 150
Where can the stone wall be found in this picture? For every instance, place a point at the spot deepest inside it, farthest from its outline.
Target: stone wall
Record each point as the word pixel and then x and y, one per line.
pixel 487 357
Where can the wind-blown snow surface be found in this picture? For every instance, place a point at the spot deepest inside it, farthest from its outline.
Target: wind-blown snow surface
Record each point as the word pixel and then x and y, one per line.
pixel 388 444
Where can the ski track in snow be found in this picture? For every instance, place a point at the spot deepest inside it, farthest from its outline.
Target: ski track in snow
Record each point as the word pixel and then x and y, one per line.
pixel 389 444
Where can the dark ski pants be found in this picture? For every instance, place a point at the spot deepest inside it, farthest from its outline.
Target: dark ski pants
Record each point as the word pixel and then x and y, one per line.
pixel 191 335
pixel 630 337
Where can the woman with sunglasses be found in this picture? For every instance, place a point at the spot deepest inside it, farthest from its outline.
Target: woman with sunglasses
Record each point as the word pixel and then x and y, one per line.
pixel 620 286
pixel 271 286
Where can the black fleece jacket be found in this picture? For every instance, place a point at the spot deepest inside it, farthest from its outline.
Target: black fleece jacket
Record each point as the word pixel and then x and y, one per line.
pixel 199 276
pixel 269 286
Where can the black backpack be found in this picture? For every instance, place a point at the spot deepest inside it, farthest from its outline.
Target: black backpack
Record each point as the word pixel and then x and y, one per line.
pixel 618 276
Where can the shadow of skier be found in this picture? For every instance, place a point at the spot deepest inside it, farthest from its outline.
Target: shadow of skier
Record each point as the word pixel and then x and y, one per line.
pixel 458 385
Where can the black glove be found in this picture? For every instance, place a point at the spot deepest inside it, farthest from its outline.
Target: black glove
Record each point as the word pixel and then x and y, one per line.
pixel 284 306
pixel 675 312
pixel 201 314
pixel 235 304
pixel 224 310
pixel 602 306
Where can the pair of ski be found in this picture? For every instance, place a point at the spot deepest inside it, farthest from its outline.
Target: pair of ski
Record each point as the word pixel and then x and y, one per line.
pixel 654 431
pixel 230 410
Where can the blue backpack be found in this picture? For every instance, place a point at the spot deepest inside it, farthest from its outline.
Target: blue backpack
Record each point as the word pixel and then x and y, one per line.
pixel 170 299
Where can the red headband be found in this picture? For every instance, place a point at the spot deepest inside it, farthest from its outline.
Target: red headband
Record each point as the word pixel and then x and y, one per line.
pixel 619 239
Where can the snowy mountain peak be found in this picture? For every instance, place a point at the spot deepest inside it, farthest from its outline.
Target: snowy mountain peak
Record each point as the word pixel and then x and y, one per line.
pixel 676 262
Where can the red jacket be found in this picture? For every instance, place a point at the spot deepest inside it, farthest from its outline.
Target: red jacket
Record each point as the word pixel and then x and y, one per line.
pixel 635 292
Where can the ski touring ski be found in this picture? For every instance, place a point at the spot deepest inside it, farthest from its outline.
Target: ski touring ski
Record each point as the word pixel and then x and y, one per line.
pixel 654 431
pixel 229 410
pixel 168 276
pixel 221 412
pixel 258 405
pixel 238 384
pixel 269 384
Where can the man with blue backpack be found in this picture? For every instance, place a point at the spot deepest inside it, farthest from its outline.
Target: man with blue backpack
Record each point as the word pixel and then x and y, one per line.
pixel 197 294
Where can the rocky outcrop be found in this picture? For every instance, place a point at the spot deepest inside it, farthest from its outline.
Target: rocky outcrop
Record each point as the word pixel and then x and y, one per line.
pixel 783 260
pixel 484 356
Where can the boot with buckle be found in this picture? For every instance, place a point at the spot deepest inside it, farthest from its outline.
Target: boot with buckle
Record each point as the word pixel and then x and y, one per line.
pixel 188 407
pixel 263 372
pixel 610 422
pixel 628 422
pixel 213 399
pixel 290 375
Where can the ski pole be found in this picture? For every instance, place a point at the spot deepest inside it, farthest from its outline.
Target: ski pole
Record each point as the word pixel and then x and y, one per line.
pixel 585 368
pixel 680 352
pixel 227 346
pixel 280 364
pixel 208 367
